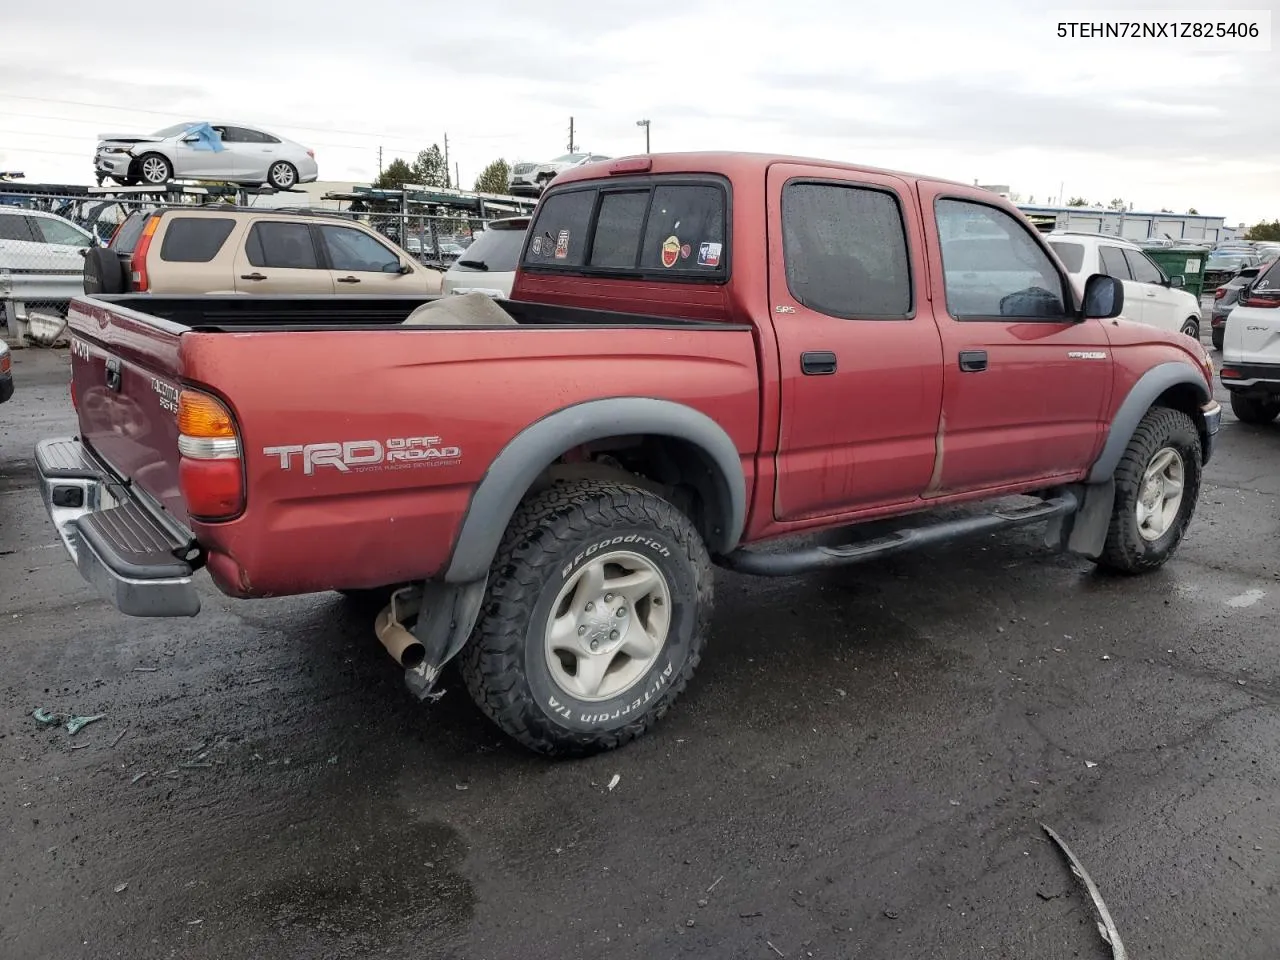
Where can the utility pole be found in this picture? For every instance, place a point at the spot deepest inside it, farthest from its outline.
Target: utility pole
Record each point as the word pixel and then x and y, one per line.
pixel 645 124
pixel 457 180
pixel 571 149
pixel 379 161
pixel 446 160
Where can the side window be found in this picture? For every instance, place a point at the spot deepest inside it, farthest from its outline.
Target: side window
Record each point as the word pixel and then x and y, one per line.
pixel 560 230
pixel 281 245
pixel 992 268
pixel 55 231
pixel 845 249
pixel 195 239
pixel 236 135
pixel 355 250
pixel 685 231
pixel 1113 262
pixel 15 227
pixel 1144 271
pixel 618 224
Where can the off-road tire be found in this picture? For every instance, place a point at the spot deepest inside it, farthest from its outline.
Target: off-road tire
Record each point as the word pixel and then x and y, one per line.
pixel 1126 551
pixel 1252 410
pixel 504 663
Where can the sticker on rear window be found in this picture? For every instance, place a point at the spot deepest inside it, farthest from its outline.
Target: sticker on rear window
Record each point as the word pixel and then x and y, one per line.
pixel 536 248
pixel 670 251
pixel 709 255
pixel 562 245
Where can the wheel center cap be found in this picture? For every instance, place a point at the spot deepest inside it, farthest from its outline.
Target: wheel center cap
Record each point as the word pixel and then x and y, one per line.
pixel 606 624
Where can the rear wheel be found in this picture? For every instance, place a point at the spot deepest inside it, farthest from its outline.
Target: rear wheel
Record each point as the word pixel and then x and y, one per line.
pixel 596 616
pixel 155 169
pixel 1218 335
pixel 1157 484
pixel 282 175
pixel 1253 409
pixel 1192 328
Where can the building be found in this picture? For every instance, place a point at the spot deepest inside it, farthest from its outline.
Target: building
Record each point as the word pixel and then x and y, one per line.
pixel 1128 224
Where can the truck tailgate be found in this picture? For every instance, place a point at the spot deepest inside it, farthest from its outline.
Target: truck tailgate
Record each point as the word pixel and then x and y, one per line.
pixel 124 376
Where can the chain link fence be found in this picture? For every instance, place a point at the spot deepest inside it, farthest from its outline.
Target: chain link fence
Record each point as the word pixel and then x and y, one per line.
pixel 44 238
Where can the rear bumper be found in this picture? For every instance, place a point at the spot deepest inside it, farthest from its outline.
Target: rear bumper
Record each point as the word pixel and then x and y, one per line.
pixel 119 541
pixel 1264 377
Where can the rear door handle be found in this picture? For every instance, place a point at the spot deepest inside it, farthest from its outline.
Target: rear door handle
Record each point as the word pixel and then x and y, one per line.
pixel 973 361
pixel 114 378
pixel 252 276
pixel 817 363
pixel 348 279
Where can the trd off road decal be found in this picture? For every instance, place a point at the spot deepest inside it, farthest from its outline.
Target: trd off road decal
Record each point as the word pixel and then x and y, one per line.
pixel 365 456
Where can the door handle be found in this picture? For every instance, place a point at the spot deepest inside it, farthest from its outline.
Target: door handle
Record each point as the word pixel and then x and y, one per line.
pixel 1151 293
pixel 817 363
pixel 348 280
pixel 252 276
pixel 973 361
pixel 114 378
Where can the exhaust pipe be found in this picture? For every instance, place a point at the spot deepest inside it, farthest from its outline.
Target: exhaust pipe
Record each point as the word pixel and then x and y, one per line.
pixel 404 647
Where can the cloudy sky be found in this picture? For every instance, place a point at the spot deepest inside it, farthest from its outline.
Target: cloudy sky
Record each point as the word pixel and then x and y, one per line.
pixel 930 86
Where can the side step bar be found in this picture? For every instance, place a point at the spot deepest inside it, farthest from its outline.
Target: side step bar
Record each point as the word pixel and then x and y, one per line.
pixel 809 558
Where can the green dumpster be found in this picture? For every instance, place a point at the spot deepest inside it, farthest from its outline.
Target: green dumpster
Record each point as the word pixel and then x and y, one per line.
pixel 1185 262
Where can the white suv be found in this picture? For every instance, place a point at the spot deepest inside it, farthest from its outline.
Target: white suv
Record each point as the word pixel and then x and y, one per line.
pixel 530 179
pixel 1149 296
pixel 1251 350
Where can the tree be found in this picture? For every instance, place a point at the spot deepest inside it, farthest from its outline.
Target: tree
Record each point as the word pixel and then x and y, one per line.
pixel 1077 202
pixel 396 173
pixel 1165 210
pixel 429 168
pixel 1118 204
pixel 1264 231
pixel 496 178
pixel 1193 212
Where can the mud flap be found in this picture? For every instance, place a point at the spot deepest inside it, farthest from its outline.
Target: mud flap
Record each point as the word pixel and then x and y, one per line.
pixel 1084 532
pixel 448 614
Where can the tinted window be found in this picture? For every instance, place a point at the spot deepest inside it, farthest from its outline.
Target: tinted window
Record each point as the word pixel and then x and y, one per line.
pixel 561 228
pixel 1269 282
pixel 1071 255
pixel 845 250
pixel 355 250
pixel 685 231
pixel 281 245
pixel 992 267
pixel 127 238
pixel 173 131
pixel 15 228
pixel 617 238
pixel 496 250
pixel 1144 271
pixel 194 239
pixel 1113 263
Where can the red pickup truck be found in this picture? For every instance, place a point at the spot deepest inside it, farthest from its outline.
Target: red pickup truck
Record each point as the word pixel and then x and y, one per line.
pixel 702 352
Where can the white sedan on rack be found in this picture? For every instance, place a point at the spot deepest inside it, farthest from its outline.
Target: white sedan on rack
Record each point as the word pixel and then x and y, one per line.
pixel 204 150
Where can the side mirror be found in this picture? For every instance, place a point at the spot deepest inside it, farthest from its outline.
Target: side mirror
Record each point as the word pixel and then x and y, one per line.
pixel 1176 282
pixel 1103 297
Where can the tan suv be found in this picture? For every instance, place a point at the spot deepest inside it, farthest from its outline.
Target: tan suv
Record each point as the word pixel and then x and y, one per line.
pixel 223 249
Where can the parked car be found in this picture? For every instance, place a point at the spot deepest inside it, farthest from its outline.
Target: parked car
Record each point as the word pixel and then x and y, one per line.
pixel 489 264
pixel 530 179
pixel 6 372
pixel 41 259
pixel 226 249
pixel 1225 297
pixel 204 150
pixel 678 378
pixel 1149 296
pixel 1251 349
pixel 1221 267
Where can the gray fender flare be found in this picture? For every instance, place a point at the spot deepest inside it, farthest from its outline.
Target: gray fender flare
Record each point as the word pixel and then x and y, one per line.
pixel 535 448
pixel 1135 406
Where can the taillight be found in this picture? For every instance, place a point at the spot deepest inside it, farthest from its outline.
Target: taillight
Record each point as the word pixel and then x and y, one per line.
pixel 210 469
pixel 1219 293
pixel 138 260
pixel 6 362
pixel 1260 302
pixel 311 154
pixel 1228 373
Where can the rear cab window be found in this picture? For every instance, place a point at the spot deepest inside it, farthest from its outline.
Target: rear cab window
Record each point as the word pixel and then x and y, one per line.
pixel 195 239
pixel 671 226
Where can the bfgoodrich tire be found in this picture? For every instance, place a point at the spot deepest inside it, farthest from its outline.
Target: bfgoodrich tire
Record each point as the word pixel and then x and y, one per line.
pixel 1254 410
pixel 1157 484
pixel 596 616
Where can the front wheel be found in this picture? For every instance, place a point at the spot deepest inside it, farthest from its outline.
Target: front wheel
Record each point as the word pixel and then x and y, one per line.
pixel 1192 328
pixel 596 616
pixel 1254 410
pixel 155 169
pixel 282 175
pixel 1157 484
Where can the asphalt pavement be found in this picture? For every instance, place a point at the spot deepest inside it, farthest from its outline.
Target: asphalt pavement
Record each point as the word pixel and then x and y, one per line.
pixel 859 769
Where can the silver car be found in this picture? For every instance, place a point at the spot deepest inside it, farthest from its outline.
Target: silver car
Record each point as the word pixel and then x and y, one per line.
pixel 204 150
pixel 530 179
